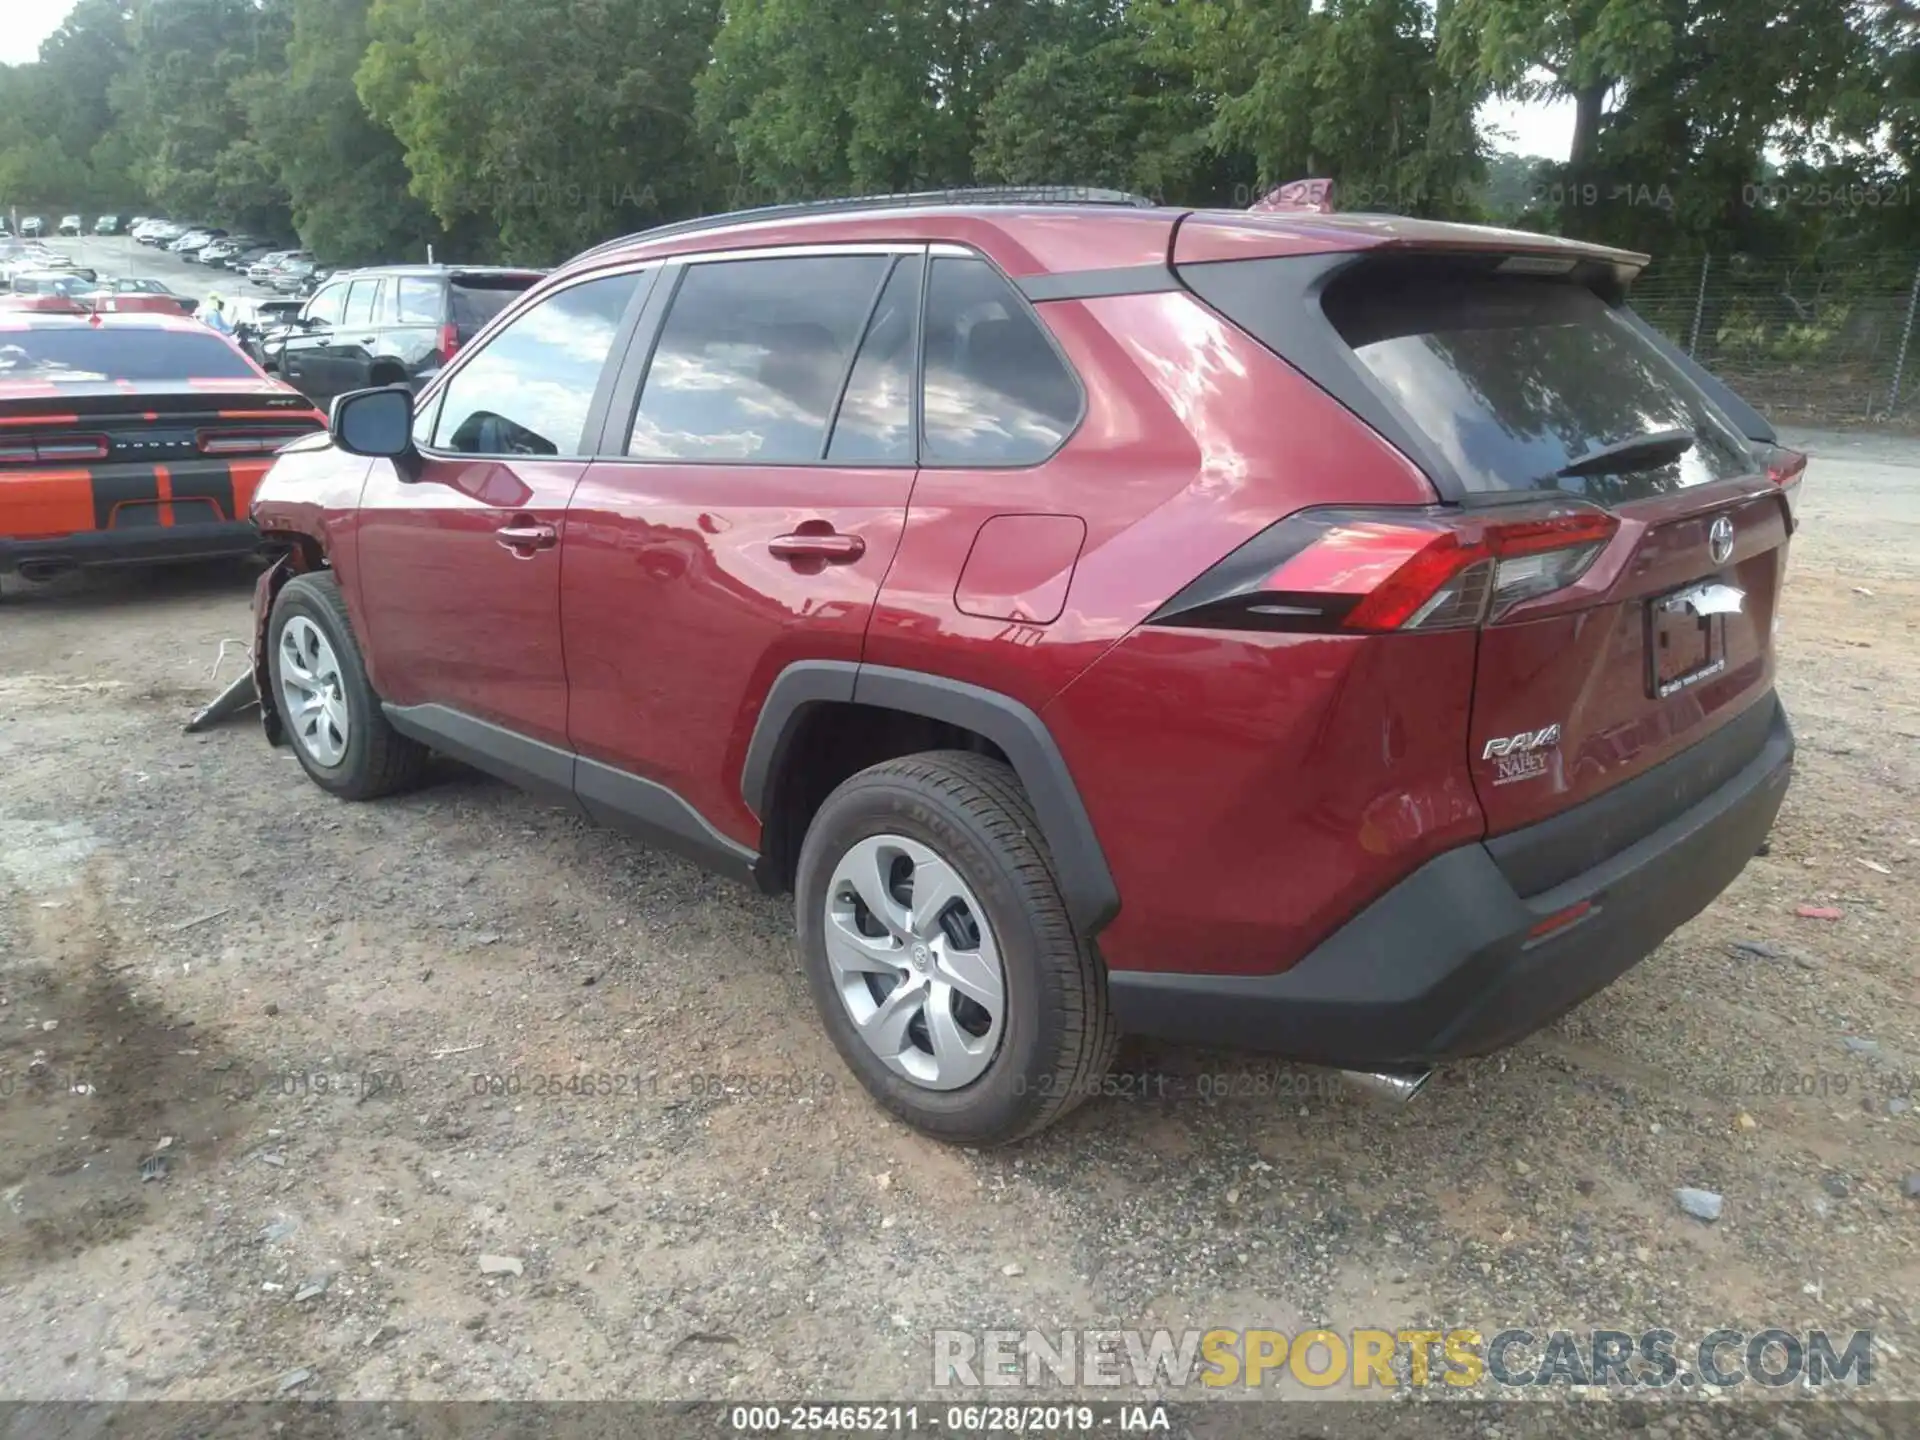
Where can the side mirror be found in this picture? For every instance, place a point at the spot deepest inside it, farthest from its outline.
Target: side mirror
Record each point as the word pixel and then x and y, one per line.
pixel 374 423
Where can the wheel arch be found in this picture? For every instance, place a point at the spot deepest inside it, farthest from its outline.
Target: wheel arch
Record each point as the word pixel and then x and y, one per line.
pixel 1012 729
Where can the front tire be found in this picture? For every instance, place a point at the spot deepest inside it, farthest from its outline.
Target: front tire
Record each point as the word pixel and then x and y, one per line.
pixel 327 707
pixel 940 954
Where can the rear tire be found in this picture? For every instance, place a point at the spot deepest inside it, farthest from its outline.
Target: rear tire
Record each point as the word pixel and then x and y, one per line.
pixel 952 830
pixel 327 707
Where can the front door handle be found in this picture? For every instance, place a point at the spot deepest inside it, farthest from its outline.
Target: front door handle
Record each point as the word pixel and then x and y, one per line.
pixel 525 539
pixel 832 548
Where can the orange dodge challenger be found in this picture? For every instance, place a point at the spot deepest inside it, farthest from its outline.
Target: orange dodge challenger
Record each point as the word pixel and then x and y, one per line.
pixel 131 439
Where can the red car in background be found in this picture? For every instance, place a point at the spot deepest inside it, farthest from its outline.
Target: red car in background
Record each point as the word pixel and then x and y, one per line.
pixel 130 438
pixel 1347 636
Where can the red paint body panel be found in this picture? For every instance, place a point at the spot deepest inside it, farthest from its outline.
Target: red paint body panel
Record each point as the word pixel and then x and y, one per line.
pixel 1253 791
pixel 452 616
pixel 677 617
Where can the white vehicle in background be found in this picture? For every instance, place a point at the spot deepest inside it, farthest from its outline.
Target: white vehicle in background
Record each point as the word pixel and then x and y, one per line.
pixel 72 225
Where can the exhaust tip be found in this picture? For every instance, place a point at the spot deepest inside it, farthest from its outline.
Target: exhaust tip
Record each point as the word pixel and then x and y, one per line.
pixel 1398 1086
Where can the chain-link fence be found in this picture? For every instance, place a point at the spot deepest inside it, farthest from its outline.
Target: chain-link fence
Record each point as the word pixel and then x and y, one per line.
pixel 1807 341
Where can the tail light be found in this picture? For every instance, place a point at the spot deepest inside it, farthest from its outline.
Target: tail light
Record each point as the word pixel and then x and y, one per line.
pixel 1367 571
pixel 247 442
pixel 449 342
pixel 1786 468
pixel 67 450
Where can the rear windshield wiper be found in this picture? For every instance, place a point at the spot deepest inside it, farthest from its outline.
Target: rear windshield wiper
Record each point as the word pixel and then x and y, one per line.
pixel 1642 452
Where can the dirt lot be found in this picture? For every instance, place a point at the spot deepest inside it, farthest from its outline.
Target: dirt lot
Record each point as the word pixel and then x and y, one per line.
pixel 312 1006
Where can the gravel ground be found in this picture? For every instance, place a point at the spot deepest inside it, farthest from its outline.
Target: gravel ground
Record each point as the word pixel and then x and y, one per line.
pixel 272 1082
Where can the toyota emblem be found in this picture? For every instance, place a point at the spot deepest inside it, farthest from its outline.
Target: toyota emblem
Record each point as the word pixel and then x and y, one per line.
pixel 1720 540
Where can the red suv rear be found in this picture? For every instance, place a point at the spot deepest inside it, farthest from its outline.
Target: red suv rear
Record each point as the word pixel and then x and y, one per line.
pixel 1344 636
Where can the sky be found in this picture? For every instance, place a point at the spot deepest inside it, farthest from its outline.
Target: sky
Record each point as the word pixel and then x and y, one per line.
pixel 1532 129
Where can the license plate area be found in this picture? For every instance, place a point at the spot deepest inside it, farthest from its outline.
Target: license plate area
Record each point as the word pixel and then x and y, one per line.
pixel 1684 647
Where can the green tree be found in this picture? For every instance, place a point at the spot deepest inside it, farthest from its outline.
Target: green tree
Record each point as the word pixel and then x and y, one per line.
pixel 1350 89
pixel 547 123
pixel 182 104
pixel 1124 109
pixel 869 96
pixel 345 176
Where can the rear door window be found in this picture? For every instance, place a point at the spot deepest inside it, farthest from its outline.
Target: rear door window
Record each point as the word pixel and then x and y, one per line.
pixel 1527 384
pixel 875 423
pixel 753 357
pixel 363 302
pixel 996 390
pixel 419 301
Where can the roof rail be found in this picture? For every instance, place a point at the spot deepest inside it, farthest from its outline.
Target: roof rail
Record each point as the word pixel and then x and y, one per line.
pixel 915 199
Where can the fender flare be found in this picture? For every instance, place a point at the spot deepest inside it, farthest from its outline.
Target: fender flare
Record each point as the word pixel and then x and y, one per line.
pixel 1086 884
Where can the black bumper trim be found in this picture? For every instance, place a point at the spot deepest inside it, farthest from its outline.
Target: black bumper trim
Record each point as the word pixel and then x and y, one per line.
pixel 1441 966
pixel 134 545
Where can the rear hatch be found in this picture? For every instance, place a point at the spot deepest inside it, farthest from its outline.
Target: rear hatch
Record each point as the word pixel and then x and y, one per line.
pixel 1618 541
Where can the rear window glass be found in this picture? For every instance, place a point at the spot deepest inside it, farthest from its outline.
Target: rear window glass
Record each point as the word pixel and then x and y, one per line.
pixel 90 356
pixel 475 302
pixel 1515 380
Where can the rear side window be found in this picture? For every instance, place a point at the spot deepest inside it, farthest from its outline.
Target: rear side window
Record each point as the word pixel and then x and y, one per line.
pixel 752 358
pixel 529 390
pixel 419 301
pixel 89 356
pixel 1517 381
pixel 997 392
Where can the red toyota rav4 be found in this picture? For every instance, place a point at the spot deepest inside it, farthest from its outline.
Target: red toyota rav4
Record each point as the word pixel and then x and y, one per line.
pixel 1344 636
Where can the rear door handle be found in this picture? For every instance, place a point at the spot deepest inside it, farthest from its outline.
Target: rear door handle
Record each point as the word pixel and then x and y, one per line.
pixel 524 539
pixel 834 549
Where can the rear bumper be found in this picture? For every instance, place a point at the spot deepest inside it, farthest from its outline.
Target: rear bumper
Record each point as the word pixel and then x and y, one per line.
pixel 132 545
pixel 1442 966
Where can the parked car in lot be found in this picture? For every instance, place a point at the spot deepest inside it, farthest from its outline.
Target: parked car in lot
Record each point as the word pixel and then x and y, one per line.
pixel 292 277
pixel 71 225
pixel 131 438
pixel 50 282
pixel 261 328
pixel 244 260
pixel 189 245
pixel 1345 636
pixel 158 232
pixel 221 251
pixel 272 263
pixel 32 227
pixel 158 291
pixel 107 225
pixel 393 325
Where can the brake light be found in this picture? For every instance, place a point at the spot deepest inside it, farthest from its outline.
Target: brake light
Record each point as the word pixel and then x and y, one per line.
pixel 67 450
pixel 1369 571
pixel 250 442
pixel 449 341
pixel 1786 468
